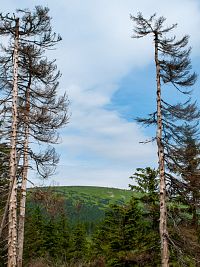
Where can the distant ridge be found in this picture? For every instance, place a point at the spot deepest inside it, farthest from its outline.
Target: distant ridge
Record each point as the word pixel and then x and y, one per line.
pixel 88 204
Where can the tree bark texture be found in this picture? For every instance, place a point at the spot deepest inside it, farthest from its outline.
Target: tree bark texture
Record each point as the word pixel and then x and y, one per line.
pixel 12 213
pixel 24 180
pixel 163 207
pixel 4 218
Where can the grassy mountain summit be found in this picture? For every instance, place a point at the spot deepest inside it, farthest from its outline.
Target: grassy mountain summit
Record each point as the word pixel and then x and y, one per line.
pixel 86 204
pixel 96 195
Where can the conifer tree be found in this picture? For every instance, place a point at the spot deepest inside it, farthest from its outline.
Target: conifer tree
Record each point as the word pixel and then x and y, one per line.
pixel 172 67
pixel 4 181
pixel 146 180
pixel 126 238
pixel 147 183
pixel 4 189
pixel 78 248
pixel 184 161
pixel 47 233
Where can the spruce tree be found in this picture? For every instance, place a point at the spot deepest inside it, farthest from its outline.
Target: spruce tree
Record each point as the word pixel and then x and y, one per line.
pixel 146 183
pixel 184 161
pixel 4 190
pixel 78 243
pixel 126 237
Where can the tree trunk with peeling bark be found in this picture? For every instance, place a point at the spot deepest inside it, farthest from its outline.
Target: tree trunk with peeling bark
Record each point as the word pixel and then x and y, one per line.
pixel 12 214
pixel 173 67
pixel 22 203
pixel 163 206
pixel 40 100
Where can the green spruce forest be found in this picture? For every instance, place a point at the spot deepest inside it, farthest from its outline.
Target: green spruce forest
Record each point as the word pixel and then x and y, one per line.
pixel 153 223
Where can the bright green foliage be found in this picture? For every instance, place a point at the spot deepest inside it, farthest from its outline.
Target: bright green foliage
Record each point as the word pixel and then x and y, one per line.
pixel 147 183
pixel 34 234
pixel 86 204
pixel 146 179
pixel 4 188
pixel 4 170
pixel 183 238
pixel 78 249
pixel 64 237
pixel 50 237
pixel 95 194
pixel 126 237
pixel 185 163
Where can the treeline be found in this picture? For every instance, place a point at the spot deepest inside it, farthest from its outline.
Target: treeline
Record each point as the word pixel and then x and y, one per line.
pixel 128 235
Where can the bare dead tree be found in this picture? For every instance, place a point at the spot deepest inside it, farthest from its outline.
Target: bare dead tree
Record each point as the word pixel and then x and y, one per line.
pixel 12 214
pixel 41 112
pixel 172 66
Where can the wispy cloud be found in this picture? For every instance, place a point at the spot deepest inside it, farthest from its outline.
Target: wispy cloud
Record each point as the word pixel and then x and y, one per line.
pixel 99 146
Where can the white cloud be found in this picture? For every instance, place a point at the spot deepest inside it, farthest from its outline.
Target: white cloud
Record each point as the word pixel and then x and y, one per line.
pixel 100 147
pixel 102 52
pixel 97 47
pixel 105 133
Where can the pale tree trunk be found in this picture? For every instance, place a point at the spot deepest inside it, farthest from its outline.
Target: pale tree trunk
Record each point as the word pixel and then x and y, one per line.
pixel 163 207
pixel 12 214
pixel 3 221
pixel 24 180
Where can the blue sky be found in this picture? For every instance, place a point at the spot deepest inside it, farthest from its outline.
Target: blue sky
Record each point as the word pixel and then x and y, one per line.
pixel 109 78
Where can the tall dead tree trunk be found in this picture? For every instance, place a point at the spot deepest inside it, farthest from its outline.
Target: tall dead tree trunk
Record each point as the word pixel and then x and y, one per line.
pixel 22 203
pixel 173 67
pixel 163 207
pixel 45 113
pixel 12 214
